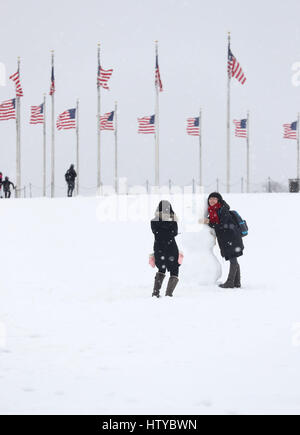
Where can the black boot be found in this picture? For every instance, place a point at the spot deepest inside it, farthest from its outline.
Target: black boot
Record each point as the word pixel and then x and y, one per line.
pixel 237 281
pixel 173 281
pixel 231 277
pixel 158 281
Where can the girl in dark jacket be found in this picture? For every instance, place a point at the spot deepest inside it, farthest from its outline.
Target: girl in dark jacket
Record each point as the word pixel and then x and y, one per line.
pixel 165 229
pixel 228 235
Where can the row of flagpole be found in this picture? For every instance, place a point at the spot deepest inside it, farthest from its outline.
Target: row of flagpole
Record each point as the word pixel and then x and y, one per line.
pixel 234 71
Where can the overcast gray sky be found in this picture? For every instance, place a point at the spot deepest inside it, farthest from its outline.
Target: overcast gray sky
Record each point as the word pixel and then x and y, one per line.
pixel 192 38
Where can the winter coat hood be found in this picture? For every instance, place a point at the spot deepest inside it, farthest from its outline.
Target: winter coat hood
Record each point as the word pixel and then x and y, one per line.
pixel 165 212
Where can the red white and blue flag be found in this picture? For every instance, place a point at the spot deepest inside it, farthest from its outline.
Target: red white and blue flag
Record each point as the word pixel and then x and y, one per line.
pixel 290 130
pixel 158 82
pixel 107 121
pixel 8 110
pixel 66 120
pixel 52 85
pixel 37 114
pixel 16 79
pixel 241 129
pixel 146 125
pixel 103 77
pixel 234 68
pixel 193 126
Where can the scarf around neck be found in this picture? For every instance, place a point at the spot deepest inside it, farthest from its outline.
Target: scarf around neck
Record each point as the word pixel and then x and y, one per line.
pixel 213 213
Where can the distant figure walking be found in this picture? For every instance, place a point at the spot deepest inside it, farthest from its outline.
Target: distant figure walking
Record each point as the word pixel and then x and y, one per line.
pixel 70 179
pixel 6 187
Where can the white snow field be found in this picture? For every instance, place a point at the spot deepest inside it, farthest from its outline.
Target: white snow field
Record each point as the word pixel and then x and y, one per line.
pixel 80 333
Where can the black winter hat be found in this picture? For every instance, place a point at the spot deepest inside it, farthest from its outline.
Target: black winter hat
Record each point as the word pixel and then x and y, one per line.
pixel 216 195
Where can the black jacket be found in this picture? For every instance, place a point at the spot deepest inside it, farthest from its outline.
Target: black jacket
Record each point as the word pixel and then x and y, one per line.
pixel 70 175
pixel 6 185
pixel 165 247
pixel 228 234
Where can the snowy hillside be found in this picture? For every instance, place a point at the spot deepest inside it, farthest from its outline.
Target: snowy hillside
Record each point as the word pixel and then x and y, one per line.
pixel 84 335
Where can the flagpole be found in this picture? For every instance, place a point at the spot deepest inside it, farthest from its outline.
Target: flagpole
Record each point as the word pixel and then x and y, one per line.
pixel 98 123
pixel 157 181
pixel 248 152
pixel 298 147
pixel 77 147
pixel 200 148
pixel 44 147
pixel 18 140
pixel 228 123
pixel 116 148
pixel 52 136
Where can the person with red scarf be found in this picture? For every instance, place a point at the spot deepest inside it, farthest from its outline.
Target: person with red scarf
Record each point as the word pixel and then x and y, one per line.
pixel 228 235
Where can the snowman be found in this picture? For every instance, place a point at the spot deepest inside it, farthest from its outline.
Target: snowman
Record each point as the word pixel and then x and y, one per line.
pixel 201 266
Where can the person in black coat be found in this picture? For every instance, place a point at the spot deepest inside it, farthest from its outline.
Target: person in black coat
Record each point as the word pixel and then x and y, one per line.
pixel 70 179
pixel 228 235
pixel 165 228
pixel 6 187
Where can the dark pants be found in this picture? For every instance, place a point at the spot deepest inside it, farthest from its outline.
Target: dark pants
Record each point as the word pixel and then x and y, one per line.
pixel 233 260
pixel 71 187
pixel 174 271
pixel 7 193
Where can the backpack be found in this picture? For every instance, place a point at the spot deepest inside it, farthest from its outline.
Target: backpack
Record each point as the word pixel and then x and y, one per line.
pixel 241 223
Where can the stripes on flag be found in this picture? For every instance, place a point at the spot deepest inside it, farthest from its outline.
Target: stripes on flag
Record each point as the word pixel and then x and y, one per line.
pixel 107 121
pixel 103 77
pixel 158 82
pixel 16 79
pixel 241 128
pixel 52 85
pixel 37 114
pixel 146 125
pixel 235 69
pixel 193 126
pixel 290 130
pixel 8 110
pixel 66 120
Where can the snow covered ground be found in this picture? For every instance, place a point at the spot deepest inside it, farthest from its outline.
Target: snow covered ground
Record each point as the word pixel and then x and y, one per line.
pixel 79 331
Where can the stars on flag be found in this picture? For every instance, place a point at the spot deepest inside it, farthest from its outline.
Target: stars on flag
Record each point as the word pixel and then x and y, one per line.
pixel 66 120
pixel 241 129
pixel 37 114
pixel 290 131
pixel 234 68
pixel 146 125
pixel 193 126
pixel 8 110
pixel 107 121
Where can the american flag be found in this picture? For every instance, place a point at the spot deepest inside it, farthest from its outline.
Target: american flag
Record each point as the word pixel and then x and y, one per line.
pixel 147 124
pixel 37 114
pixel 16 79
pixel 234 68
pixel 290 130
pixel 8 110
pixel 241 128
pixel 158 82
pixel 193 126
pixel 52 86
pixel 107 121
pixel 66 120
pixel 103 77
